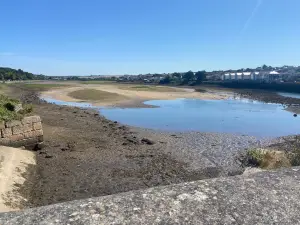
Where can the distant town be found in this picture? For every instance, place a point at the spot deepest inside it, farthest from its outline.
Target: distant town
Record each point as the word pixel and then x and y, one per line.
pixel 266 74
pixel 260 74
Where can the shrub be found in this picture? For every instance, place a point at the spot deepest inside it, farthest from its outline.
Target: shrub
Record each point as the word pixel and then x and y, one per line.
pixel 9 106
pixel 28 108
pixel 255 157
pixel 267 159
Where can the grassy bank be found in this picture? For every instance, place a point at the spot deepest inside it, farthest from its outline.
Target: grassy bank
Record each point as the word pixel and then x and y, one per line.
pixel 149 88
pixel 97 82
pixel 95 95
pixel 12 109
pixel 39 87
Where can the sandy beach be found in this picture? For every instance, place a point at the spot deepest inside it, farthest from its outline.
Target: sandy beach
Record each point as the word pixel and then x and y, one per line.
pixel 128 96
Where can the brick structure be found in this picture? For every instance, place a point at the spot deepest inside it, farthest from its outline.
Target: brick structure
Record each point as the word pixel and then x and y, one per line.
pixel 28 132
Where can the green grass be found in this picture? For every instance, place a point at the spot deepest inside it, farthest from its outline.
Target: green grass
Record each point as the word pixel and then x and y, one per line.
pixel 95 95
pixel 97 82
pixel 150 88
pixel 268 159
pixel 7 109
pixel 39 87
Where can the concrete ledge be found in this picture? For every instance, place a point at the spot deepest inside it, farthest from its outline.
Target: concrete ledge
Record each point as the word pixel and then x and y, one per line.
pixel 261 198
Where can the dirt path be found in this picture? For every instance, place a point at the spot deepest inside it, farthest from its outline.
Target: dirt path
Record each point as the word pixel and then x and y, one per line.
pixel 13 163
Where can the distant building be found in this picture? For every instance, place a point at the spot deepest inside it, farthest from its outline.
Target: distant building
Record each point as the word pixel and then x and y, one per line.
pixel 239 76
pixel 247 76
pixel 259 76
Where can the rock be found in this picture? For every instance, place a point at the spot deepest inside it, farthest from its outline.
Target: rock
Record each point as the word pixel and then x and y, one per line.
pixel 37 126
pixel 38 147
pixel 17 129
pixel 13 123
pixel 18 107
pixel 69 147
pixel 132 140
pixel 295 115
pixel 7 132
pixel 147 141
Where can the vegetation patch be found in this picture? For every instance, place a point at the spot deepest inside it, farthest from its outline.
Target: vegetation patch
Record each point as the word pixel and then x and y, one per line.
pixel 12 109
pixel 39 87
pixel 95 95
pixel 200 90
pixel 97 82
pixel 267 159
pixel 150 88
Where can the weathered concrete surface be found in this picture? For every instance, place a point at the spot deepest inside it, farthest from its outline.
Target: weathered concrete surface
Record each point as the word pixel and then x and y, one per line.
pixel 260 198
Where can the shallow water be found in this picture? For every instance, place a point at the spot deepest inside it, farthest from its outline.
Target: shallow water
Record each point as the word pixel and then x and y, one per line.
pixel 291 95
pixel 238 116
pixel 229 116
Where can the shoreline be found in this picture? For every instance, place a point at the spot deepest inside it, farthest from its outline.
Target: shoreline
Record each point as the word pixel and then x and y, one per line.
pixel 131 98
pixel 87 155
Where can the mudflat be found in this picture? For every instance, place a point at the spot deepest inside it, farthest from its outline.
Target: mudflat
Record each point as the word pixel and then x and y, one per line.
pixel 124 95
pixel 87 155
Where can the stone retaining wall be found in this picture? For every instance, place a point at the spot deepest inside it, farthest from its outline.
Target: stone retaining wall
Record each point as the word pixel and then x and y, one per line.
pixel 27 132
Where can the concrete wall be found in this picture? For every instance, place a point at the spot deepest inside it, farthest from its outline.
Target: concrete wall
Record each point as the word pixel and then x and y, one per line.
pixel 28 132
pixel 270 197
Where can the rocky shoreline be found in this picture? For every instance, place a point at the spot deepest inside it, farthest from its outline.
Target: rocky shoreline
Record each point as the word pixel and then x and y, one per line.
pixel 292 104
pixel 87 155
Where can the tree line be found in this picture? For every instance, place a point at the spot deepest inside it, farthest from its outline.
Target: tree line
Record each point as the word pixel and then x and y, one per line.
pixel 188 78
pixel 13 74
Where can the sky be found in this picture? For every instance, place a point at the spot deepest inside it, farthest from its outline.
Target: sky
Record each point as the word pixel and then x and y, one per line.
pixel 115 37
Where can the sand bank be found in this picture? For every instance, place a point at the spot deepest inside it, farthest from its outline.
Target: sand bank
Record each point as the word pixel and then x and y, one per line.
pixel 130 96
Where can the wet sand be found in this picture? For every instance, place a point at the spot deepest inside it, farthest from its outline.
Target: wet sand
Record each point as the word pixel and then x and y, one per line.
pixel 131 98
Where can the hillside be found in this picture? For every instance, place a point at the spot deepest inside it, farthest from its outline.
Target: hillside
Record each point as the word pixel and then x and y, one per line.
pixel 13 74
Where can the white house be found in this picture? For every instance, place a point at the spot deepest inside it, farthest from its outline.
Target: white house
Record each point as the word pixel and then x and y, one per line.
pixel 226 76
pixel 239 76
pixel 247 76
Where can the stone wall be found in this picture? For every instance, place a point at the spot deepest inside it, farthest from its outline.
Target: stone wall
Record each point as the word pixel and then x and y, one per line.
pixel 27 132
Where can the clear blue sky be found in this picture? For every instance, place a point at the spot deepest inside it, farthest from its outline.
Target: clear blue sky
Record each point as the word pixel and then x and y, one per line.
pixel 76 37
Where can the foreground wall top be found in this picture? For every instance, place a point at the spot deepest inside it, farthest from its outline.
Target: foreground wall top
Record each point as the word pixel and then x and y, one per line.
pixel 261 198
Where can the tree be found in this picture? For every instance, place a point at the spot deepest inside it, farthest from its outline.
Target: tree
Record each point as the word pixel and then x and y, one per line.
pixel 177 75
pixel 264 67
pixel 188 77
pixel 200 76
pixel 165 80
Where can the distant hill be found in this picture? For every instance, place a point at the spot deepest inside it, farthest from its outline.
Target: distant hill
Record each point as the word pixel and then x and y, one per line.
pixel 13 74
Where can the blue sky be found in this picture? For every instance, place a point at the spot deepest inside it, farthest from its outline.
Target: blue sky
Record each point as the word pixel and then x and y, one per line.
pixel 76 37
